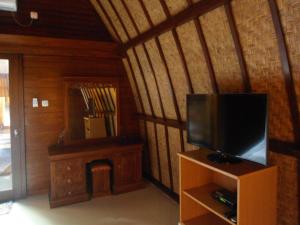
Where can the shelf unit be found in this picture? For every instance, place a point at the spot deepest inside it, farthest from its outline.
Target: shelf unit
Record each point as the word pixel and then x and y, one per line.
pixel 256 188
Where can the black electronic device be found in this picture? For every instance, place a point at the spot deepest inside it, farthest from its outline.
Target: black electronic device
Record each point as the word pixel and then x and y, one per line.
pixel 226 197
pixel 233 125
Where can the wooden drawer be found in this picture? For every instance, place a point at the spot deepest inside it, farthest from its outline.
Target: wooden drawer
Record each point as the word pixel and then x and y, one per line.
pixel 67 178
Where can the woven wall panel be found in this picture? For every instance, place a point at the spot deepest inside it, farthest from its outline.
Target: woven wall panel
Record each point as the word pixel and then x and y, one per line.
pixel 175 6
pixel 104 19
pixel 163 155
pixel 290 17
pixel 176 70
pixel 132 84
pixel 221 47
pixel 195 59
pixel 175 147
pixel 140 82
pixel 138 14
pixel 155 11
pixel 125 18
pixel 115 20
pixel 162 79
pixel 288 194
pixel 150 81
pixel 188 147
pixel 261 52
pixel 152 150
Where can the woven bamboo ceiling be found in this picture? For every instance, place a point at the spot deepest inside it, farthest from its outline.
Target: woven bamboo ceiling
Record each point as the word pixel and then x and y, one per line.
pixel 175 47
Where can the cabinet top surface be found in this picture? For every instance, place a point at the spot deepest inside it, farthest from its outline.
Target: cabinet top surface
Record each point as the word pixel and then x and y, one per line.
pixel 232 170
pixel 56 152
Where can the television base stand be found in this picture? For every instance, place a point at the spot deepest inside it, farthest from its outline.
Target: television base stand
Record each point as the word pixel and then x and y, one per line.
pixel 223 158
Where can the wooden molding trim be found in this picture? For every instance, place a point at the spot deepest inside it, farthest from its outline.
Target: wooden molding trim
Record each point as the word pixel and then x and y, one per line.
pixel 182 17
pixel 166 122
pixel 286 69
pixel 30 45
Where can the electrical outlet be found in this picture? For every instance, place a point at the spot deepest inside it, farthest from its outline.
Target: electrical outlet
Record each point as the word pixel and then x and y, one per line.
pixel 45 103
pixel 34 15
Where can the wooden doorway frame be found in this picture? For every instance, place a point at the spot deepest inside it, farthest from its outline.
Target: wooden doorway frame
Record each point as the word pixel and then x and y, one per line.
pixel 17 128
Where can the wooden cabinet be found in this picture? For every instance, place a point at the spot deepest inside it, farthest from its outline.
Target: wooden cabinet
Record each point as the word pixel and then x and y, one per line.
pixel 255 185
pixel 68 170
pixel 127 170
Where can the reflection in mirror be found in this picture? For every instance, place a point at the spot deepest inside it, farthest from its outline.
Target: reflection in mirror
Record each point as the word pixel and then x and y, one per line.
pixel 92 111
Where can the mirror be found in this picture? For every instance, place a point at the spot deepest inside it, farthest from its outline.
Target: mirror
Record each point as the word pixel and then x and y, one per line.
pixel 91 109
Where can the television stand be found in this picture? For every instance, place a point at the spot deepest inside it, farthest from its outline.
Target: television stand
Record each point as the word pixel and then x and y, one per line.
pixel 255 185
pixel 223 158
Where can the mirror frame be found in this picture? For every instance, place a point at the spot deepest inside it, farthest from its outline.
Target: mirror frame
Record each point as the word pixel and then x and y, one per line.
pixel 70 81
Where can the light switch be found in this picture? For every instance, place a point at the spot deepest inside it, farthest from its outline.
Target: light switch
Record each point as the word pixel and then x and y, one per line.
pixel 35 103
pixel 45 103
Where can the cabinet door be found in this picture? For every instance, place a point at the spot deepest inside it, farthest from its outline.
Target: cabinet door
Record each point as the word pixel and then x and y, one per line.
pixel 128 168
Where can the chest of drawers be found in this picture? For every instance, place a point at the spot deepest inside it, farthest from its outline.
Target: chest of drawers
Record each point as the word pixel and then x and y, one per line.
pixel 68 170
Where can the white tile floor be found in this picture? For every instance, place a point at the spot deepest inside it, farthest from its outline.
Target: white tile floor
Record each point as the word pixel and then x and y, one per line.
pixel 148 206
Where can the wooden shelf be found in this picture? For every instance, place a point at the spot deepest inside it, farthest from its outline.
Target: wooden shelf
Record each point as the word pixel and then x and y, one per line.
pixel 199 178
pixel 207 219
pixel 202 195
pixel 231 170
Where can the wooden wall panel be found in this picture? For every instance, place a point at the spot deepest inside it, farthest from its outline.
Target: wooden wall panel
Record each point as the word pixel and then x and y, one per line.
pixel 262 58
pixel 150 81
pixel 176 69
pixel 195 58
pixel 153 150
pixel 59 19
pixel 162 145
pixel 43 78
pixel 221 47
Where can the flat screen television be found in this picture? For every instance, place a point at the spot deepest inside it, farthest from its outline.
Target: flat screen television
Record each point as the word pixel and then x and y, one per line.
pixel 233 125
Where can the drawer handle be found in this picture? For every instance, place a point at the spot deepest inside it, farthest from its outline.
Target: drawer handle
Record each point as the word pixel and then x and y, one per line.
pixel 69 193
pixel 69 181
pixel 68 168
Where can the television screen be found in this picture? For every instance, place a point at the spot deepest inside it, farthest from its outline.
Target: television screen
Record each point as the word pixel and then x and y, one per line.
pixel 234 124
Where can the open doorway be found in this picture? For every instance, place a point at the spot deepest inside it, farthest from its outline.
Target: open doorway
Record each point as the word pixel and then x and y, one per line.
pixel 12 151
pixel 5 142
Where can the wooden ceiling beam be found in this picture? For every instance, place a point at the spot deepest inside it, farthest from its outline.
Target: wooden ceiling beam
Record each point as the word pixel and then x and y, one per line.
pixel 182 17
